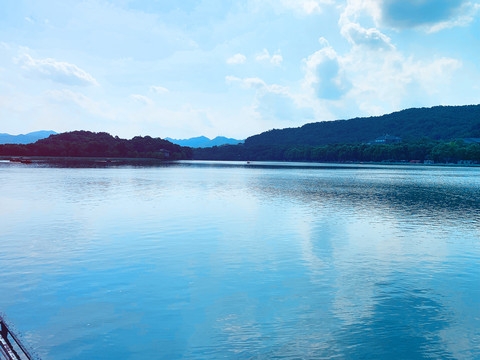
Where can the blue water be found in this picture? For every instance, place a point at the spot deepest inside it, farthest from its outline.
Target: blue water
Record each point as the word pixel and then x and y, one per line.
pixel 204 260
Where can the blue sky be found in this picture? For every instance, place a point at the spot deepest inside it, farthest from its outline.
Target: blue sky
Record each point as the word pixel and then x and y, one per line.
pixel 225 67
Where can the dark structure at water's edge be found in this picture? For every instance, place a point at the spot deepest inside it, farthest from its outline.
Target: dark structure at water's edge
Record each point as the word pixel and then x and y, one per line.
pixel 10 346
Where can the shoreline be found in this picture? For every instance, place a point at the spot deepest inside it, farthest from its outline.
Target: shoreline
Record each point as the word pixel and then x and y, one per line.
pixel 129 161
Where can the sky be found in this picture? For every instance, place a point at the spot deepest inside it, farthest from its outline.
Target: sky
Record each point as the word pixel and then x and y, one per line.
pixel 184 68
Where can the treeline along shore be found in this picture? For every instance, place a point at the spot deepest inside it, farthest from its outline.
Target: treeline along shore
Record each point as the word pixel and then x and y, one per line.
pixel 441 134
pixel 425 150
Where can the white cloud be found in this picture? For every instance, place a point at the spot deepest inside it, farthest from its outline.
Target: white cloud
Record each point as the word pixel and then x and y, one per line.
pixel 393 81
pixel 309 6
pixel 362 82
pixel 264 55
pixel 354 9
pixel 142 99
pixel 159 89
pixel 256 83
pixel 369 38
pixel 282 106
pixel 84 102
pixel 58 71
pixel 324 73
pixel 432 76
pixel 237 59
pixel 275 59
pixel 372 67
pixel 306 7
pixel 356 34
pixel 467 15
pixel 275 102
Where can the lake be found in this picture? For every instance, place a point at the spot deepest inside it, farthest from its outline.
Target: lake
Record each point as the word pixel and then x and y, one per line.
pixel 227 260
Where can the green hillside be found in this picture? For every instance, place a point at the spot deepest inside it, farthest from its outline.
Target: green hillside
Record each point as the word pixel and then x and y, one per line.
pixel 436 123
pixel 91 144
pixel 433 134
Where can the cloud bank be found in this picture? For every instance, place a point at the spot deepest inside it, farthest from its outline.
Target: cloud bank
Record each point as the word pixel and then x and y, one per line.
pixel 233 67
pixel 58 71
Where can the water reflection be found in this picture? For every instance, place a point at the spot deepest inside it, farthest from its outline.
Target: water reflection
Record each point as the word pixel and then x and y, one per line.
pixel 214 260
pixel 403 194
pixel 404 323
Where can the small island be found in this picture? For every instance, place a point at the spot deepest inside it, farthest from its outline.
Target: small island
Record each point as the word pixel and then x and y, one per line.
pixel 102 144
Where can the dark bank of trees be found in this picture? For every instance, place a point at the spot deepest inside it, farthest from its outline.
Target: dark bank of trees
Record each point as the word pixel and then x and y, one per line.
pixel 91 144
pixel 421 150
pixel 437 123
pixel 427 134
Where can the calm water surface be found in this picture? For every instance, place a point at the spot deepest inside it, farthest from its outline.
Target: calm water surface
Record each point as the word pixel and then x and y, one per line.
pixel 199 260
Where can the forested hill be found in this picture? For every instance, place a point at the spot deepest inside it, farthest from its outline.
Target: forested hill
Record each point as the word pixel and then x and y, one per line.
pixel 437 123
pixel 91 144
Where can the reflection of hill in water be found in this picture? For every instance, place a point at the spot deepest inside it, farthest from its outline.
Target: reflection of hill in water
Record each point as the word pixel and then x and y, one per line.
pixel 429 196
pixel 428 193
pixel 391 331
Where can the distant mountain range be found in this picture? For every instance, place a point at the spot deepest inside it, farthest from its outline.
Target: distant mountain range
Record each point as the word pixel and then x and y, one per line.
pixel 203 141
pixel 25 138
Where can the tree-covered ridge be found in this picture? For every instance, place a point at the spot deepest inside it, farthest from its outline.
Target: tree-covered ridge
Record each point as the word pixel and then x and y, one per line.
pixel 91 144
pixel 421 150
pixel 437 123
